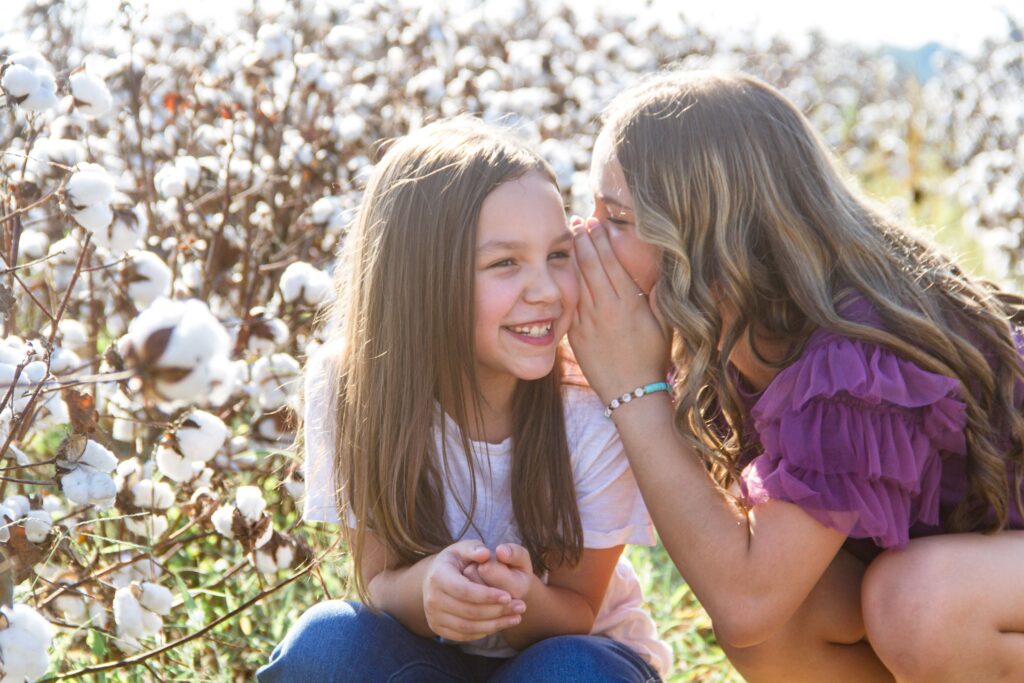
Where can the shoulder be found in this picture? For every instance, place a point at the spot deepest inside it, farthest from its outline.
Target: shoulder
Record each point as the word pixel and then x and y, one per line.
pixel 834 366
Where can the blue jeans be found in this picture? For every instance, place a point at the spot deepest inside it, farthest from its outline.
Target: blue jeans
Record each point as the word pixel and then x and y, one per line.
pixel 344 641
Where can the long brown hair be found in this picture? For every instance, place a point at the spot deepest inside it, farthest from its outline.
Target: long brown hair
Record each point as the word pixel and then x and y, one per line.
pixel 748 206
pixel 403 347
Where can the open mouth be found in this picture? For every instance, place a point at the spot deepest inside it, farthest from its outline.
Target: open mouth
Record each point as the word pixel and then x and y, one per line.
pixel 535 331
pixel 538 333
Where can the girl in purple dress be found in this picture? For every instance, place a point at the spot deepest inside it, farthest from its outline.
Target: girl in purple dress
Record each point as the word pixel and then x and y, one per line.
pixel 839 474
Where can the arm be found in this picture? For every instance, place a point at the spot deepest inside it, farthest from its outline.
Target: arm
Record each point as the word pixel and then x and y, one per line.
pixel 566 605
pixel 750 583
pixel 432 597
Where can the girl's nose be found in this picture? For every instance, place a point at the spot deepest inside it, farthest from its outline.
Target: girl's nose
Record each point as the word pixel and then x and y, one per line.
pixel 542 288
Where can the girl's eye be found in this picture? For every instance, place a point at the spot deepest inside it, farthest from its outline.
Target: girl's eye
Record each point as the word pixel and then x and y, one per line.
pixel 558 255
pixel 617 222
pixel 502 263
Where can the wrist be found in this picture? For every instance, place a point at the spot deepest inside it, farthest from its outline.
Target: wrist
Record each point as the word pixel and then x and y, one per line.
pixel 636 393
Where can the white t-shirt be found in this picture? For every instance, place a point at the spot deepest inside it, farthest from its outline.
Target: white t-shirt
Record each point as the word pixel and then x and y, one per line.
pixel 611 510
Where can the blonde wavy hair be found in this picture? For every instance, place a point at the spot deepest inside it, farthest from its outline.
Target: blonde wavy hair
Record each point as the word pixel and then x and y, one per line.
pixel 402 349
pixel 748 206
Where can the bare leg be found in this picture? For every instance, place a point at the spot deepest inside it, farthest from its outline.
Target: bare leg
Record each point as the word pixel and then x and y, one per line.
pixel 824 641
pixel 949 608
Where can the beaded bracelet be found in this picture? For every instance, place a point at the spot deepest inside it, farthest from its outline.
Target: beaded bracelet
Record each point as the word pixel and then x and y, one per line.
pixel 636 393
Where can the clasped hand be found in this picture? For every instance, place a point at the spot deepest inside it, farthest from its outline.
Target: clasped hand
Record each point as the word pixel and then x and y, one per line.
pixel 470 593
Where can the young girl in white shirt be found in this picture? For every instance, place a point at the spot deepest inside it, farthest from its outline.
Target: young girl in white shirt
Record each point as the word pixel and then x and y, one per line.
pixel 486 498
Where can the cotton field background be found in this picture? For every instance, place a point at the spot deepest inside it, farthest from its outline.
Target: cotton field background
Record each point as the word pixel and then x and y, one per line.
pixel 171 203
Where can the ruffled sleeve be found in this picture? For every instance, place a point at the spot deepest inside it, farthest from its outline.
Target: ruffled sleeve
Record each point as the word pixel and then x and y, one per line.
pixel 855 435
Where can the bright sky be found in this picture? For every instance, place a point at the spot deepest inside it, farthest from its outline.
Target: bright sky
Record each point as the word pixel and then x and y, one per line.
pixel 904 23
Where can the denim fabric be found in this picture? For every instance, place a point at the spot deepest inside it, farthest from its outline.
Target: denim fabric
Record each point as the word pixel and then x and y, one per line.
pixel 344 641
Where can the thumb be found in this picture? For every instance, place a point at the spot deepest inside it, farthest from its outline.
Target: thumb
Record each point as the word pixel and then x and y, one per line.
pixel 515 556
pixel 470 551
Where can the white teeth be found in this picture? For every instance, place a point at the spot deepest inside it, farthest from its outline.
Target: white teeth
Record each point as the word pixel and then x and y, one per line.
pixel 532 330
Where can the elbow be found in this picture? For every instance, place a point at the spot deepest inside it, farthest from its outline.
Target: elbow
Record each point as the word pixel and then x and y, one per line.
pixel 744 623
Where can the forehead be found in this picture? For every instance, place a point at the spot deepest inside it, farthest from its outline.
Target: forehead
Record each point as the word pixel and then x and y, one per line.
pixel 526 206
pixel 606 175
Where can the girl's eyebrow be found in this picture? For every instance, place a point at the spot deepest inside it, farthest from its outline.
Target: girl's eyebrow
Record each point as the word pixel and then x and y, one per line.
pixel 512 245
pixel 613 202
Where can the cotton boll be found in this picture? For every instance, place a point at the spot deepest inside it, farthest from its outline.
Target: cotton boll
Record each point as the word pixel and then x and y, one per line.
pixel 102 490
pixel 90 184
pixel 152 495
pixel 90 94
pixel 147 526
pixel 37 525
pixel 201 435
pixel 265 563
pixel 18 505
pixel 301 280
pixel 63 361
pixel 98 456
pixel 24 643
pixel 123 233
pixel 128 612
pixel 276 378
pixel 19 81
pixel 156 598
pixel 73 333
pixel 222 518
pixel 42 98
pixel 148 278
pixel 71 607
pixel 170 181
pixel 75 485
pixel 173 465
pixel 250 502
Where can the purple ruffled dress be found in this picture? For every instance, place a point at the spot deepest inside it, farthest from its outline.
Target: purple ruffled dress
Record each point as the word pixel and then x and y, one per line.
pixel 864 440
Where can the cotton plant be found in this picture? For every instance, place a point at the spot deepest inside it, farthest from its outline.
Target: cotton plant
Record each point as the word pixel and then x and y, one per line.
pixel 177 178
pixel 266 333
pixel 89 193
pixel 139 609
pixel 304 283
pixel 276 379
pixel 25 637
pixel 90 94
pixel 146 277
pixel 184 451
pixel 245 519
pixel 144 501
pixel 172 345
pixel 16 510
pixel 84 468
pixel 28 82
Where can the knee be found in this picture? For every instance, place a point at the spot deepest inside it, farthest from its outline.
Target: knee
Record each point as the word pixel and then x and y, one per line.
pixel 337 627
pixel 909 604
pixel 566 658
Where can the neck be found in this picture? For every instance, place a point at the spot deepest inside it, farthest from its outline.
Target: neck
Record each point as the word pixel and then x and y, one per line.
pixel 491 421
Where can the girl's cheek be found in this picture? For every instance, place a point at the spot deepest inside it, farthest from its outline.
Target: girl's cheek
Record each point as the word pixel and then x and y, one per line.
pixel 569 286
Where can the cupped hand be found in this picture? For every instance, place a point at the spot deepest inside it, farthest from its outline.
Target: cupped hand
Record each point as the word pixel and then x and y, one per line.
pixel 510 569
pixel 458 608
pixel 617 335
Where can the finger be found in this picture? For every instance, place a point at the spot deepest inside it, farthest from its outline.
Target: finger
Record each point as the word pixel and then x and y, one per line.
pixel 472 612
pixel 620 279
pixel 514 555
pixel 477 593
pixel 590 267
pixel 472 572
pixel 586 298
pixel 470 551
pixel 576 223
pixel 455 628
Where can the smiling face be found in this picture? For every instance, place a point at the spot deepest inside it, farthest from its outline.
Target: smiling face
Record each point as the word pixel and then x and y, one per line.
pixel 526 287
pixel 613 206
